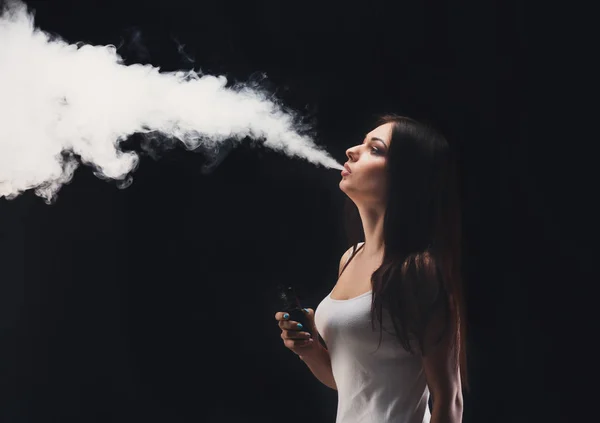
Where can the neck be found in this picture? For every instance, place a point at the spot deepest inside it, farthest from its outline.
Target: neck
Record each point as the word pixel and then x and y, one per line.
pixel 372 221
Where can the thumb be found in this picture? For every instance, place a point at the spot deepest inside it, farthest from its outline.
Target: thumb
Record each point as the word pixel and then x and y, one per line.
pixel 310 314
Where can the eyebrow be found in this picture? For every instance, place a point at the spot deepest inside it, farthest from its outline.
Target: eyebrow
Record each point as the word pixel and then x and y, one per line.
pixel 377 139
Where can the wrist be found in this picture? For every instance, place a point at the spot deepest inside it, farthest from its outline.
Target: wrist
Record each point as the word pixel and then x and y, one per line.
pixel 315 352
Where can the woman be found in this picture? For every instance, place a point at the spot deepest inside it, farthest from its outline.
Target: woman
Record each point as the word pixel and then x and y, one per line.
pixel 404 278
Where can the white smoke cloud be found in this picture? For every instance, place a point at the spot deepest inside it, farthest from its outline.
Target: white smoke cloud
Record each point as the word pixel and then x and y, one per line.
pixel 62 104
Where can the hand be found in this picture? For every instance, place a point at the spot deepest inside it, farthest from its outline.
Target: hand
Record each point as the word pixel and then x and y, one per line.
pixel 294 338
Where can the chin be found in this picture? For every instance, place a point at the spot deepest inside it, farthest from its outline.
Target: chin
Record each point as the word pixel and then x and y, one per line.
pixel 345 188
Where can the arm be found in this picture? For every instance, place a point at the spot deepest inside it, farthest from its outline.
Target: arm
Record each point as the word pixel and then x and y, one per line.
pixel 319 361
pixel 319 364
pixel 440 364
pixel 440 357
pixel 443 379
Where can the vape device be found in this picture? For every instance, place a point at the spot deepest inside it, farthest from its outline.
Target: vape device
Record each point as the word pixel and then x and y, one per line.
pixel 291 305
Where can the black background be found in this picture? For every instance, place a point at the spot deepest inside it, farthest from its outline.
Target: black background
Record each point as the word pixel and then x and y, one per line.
pixel 156 303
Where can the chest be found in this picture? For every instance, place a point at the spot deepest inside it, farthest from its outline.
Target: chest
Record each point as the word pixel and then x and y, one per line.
pixel 355 280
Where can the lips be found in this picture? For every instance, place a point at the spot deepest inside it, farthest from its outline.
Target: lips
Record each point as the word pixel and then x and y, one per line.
pixel 347 167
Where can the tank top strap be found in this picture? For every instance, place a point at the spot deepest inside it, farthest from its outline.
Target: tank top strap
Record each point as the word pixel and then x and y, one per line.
pixel 351 256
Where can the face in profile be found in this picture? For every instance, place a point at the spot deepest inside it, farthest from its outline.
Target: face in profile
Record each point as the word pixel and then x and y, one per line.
pixel 365 179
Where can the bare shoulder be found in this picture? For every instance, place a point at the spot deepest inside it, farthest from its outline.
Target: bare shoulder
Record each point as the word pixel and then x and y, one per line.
pixel 346 256
pixel 344 259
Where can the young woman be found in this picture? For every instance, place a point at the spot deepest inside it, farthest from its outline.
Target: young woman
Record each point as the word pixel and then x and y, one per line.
pixel 404 277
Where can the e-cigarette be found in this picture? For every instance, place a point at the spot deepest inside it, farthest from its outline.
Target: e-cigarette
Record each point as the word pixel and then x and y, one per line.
pixel 291 305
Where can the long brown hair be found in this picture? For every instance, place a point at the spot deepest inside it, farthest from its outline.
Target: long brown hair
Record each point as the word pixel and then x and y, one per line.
pixel 420 276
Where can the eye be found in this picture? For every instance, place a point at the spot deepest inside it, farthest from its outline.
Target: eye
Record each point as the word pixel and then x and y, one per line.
pixel 375 150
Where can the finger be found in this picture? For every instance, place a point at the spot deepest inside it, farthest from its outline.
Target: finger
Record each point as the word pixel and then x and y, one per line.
pixel 310 315
pixel 281 315
pixel 292 343
pixel 291 325
pixel 294 334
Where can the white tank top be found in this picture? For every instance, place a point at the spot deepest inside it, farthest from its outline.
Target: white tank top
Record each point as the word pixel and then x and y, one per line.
pixel 387 386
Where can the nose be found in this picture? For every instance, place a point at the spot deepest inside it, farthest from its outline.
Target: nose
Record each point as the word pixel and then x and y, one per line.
pixel 350 153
